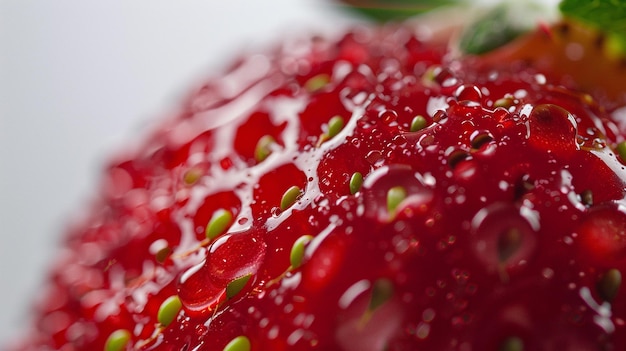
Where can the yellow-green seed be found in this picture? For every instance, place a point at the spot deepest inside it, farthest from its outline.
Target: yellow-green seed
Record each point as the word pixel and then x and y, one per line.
pixel 219 223
pixel 335 125
pixel 117 341
pixel 236 285
pixel 621 150
pixel 505 102
pixel 240 343
pixel 192 175
pixel 355 182
pixel 418 123
pixel 428 78
pixel 382 291
pixel 317 82
pixel 297 250
pixel 263 148
pixel 609 284
pixel 512 344
pixel 169 310
pixel 289 197
pixel 395 196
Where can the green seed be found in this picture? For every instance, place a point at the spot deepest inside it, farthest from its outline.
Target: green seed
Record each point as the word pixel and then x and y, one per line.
pixel 297 250
pixel 355 182
pixel 117 341
pixel 169 310
pixel 240 343
pixel 289 197
pixel 235 286
pixel 512 344
pixel 317 82
pixel 382 291
pixel 335 125
pixel 428 78
pixel 418 123
pixel 395 196
pixel 219 223
pixel 456 157
pixel 609 284
pixel 263 148
pixel 621 150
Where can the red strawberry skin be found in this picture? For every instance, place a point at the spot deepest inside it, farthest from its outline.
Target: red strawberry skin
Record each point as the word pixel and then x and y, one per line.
pixel 509 230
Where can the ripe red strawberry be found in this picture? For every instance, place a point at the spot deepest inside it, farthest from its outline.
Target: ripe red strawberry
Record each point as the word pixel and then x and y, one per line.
pixel 366 193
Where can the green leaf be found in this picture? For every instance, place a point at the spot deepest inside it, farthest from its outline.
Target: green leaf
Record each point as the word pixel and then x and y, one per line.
pixel 608 16
pixel 489 33
pixel 390 10
pixel 501 24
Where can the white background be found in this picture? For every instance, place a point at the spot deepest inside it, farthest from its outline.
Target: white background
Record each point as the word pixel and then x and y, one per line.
pixel 79 77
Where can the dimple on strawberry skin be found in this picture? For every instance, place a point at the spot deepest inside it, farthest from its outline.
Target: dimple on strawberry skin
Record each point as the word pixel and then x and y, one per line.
pixel 372 192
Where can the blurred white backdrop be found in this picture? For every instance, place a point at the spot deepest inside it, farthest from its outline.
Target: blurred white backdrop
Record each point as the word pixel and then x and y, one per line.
pixel 77 78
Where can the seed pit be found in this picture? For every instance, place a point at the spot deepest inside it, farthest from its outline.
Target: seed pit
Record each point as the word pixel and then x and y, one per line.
pixel 479 139
pixel 457 157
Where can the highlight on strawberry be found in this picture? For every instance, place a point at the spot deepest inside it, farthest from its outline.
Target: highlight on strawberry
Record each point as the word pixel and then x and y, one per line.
pixel 405 185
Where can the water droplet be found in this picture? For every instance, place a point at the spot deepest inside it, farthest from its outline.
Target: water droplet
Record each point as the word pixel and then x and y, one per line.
pixel 388 116
pixel 461 276
pixel 552 127
pixel 469 93
pixel 480 138
pixel 422 331
pixel 230 257
pixel 377 186
pixel 547 273
pixel 502 236
pixel 428 315
pixel 457 156
pixel 374 157
pixel 603 232
pixel 440 116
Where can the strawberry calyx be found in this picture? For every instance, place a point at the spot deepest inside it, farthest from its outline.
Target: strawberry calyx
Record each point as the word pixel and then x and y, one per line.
pixel 609 17
pixel 395 10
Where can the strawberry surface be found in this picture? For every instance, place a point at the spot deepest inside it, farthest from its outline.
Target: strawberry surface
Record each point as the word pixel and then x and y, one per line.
pixel 366 193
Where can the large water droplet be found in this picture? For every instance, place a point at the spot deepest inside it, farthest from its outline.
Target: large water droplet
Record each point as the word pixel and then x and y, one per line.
pixel 378 184
pixel 552 127
pixel 232 256
pixel 469 95
pixel 503 236
pixel 603 232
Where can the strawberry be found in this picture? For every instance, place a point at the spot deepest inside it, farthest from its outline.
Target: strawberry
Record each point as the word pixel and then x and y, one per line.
pixel 365 193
